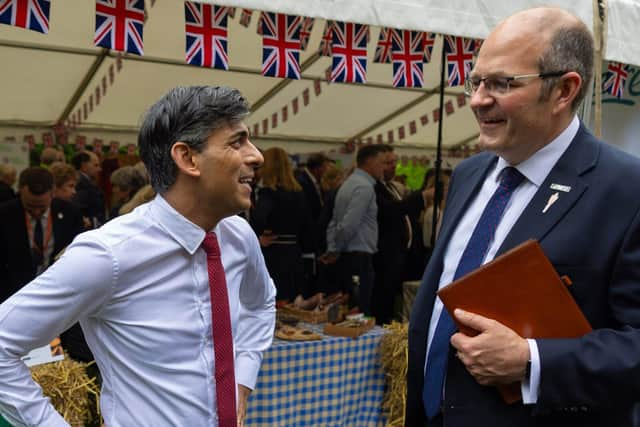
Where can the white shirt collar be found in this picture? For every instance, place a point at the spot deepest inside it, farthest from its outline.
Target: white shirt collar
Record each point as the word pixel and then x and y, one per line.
pixel 183 231
pixel 537 167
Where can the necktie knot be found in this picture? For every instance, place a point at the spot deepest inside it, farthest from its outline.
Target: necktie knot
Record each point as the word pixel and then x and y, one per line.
pixel 210 245
pixel 510 178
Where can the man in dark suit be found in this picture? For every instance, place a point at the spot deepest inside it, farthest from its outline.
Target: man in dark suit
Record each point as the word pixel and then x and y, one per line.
pixel 394 237
pixel 309 179
pixel 89 197
pixel 33 230
pixel 579 198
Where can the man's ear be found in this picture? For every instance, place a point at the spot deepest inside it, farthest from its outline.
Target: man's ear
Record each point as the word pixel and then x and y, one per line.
pixel 566 91
pixel 184 157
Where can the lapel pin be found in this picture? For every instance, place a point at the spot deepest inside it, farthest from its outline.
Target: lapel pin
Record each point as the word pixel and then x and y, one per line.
pixel 552 199
pixel 560 187
pixel 60 215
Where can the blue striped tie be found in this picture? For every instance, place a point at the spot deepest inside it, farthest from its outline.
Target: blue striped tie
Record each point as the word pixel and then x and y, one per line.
pixel 472 258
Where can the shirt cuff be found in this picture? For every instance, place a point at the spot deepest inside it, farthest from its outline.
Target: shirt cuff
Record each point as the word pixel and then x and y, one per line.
pixel 529 386
pixel 247 368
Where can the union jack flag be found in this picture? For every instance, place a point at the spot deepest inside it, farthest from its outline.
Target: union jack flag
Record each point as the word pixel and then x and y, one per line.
pixel 206 35
pixel 29 14
pixel 617 74
pixel 428 41
pixel 349 51
pixel 407 56
pixel 305 32
pixel 119 25
pixel 281 45
pixel 385 45
pixel 459 54
pixel 327 39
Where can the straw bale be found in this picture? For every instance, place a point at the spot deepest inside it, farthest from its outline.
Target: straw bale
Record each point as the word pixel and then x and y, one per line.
pixel 394 357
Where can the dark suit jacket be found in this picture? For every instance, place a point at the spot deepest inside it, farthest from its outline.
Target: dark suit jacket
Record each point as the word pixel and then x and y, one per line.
pixel 6 192
pixel 392 234
pixel 314 201
pixel 16 268
pixel 89 199
pixel 591 234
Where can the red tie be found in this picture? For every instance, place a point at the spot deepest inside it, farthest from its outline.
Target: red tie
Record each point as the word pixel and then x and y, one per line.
pixel 222 340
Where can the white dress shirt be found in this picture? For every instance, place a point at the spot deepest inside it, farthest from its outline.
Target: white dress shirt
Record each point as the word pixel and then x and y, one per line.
pixel 140 288
pixel 535 169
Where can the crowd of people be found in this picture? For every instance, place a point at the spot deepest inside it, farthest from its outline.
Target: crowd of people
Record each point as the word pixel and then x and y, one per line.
pixel 325 230
pixel 186 278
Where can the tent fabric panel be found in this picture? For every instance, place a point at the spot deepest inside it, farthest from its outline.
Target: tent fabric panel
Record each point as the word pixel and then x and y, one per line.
pixel 467 18
pixel 622 43
pixel 38 84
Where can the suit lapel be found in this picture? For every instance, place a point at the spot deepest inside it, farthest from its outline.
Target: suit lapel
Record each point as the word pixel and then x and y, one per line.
pixel 533 223
pixel 467 186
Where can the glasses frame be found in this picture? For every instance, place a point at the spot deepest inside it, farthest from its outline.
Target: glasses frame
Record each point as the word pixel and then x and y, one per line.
pixel 469 90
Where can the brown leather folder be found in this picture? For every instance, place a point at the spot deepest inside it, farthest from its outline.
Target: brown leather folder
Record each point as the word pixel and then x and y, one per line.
pixel 521 290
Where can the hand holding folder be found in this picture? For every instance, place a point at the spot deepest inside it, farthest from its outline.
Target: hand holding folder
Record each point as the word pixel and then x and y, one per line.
pixel 521 290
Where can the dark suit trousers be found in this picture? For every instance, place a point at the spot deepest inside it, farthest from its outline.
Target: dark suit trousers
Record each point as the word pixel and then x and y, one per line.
pixel 358 264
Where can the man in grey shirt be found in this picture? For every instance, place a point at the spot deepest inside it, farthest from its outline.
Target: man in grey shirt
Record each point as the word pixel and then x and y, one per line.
pixel 352 234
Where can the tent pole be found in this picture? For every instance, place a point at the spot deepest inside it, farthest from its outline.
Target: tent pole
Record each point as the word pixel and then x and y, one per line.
pixel 438 191
pixel 599 32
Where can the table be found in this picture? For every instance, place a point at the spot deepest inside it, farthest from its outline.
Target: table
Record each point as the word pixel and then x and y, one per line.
pixel 336 382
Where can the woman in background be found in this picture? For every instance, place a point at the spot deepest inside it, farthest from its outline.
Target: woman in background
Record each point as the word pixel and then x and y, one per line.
pixel 65 178
pixel 282 221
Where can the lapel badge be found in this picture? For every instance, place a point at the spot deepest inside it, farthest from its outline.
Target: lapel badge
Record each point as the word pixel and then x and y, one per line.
pixel 552 199
pixel 560 187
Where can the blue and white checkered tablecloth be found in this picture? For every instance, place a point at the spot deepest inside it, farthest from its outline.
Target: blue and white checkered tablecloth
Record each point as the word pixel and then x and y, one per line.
pixel 336 382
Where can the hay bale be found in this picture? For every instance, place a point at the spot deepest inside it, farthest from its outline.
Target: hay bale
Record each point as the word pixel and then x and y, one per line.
pixel 68 386
pixel 394 358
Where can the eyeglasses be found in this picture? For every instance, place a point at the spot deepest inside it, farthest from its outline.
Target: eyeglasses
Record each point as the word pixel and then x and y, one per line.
pixel 501 85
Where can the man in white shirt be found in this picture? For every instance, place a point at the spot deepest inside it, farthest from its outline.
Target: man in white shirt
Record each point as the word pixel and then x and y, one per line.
pixel 140 285
pixel 544 176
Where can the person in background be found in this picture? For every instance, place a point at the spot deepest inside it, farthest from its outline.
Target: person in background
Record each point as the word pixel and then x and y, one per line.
pixel 34 229
pixel 49 156
pixel 282 221
pixel 65 178
pixel 542 176
pixel 394 237
pixel 174 299
pixel 7 180
pixel 125 183
pixel 89 197
pixel 352 234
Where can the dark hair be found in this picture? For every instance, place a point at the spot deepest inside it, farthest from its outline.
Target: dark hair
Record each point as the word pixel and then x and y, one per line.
pixel 190 115
pixel 570 49
pixel 368 151
pixel 37 179
pixel 316 160
pixel 80 159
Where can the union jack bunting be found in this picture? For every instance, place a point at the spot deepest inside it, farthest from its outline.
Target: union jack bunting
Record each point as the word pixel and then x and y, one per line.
pixel 327 39
pixel 281 45
pixel 407 55
pixel 29 14
pixel 349 51
pixel 119 25
pixel 305 32
pixel 206 35
pixel 477 44
pixel 459 54
pixel 245 17
pixel 427 42
pixel 385 45
pixel 617 74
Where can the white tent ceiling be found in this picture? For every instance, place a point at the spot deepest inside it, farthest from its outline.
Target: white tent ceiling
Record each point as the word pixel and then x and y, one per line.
pixel 48 77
